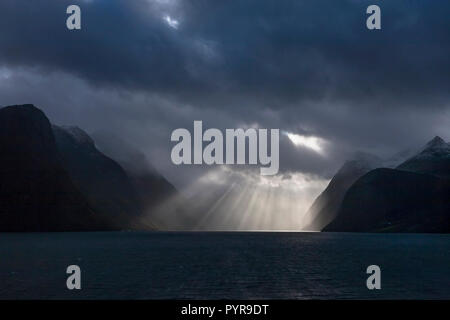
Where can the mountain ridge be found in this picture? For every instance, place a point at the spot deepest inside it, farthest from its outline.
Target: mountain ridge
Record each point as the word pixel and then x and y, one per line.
pixel 325 206
pixel 36 192
pixel 53 178
pixel 412 197
pixel 101 180
pixel 434 159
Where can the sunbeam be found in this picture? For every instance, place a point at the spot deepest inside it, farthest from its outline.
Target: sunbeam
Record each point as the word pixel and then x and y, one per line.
pixel 226 199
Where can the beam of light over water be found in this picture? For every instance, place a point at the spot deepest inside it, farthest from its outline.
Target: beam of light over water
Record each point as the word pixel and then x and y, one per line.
pixel 234 200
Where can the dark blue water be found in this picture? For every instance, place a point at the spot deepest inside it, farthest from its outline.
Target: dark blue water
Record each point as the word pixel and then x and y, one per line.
pixel 151 265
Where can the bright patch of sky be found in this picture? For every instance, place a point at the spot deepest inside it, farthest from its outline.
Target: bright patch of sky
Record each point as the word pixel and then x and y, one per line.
pixel 311 142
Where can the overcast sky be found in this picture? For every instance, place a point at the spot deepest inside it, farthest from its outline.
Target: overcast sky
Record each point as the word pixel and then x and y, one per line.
pixel 142 68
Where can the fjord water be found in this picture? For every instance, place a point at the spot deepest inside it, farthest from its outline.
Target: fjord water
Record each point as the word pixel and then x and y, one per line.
pixel 160 265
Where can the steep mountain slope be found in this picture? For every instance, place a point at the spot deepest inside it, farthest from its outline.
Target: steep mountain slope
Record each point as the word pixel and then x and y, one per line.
pixel 161 204
pixel 101 180
pixel 327 204
pixel 433 159
pixel 396 201
pixel 36 193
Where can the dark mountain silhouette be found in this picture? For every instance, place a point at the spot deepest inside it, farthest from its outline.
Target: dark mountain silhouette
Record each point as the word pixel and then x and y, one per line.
pixel 36 192
pixel 412 198
pixel 327 204
pixel 54 178
pixel 396 201
pixel 100 179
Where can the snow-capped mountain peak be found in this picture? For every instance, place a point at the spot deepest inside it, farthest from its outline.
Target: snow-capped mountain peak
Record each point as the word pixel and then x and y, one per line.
pixel 437 147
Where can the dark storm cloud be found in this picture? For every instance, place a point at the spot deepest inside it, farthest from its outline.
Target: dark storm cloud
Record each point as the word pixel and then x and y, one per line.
pixel 295 49
pixel 309 67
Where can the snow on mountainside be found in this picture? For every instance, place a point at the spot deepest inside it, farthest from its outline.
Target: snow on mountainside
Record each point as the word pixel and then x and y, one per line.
pixel 435 148
pixel 433 159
